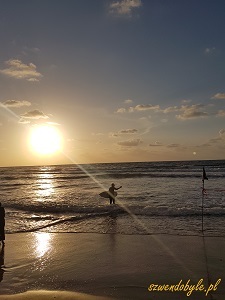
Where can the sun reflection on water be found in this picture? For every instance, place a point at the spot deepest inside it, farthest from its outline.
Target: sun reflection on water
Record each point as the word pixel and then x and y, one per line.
pixel 45 186
pixel 43 243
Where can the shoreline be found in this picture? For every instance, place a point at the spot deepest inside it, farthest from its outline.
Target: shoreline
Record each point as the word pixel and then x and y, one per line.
pixel 197 234
pixel 110 265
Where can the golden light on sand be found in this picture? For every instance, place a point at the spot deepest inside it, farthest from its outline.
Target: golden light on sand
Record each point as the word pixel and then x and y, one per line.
pixel 45 139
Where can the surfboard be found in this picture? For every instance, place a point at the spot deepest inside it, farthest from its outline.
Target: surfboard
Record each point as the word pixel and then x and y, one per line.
pixel 105 194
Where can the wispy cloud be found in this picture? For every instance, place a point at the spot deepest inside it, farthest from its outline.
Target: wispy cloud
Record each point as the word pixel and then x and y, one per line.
pixel 121 110
pixel 130 143
pixel 156 144
pixel 173 145
pixel 24 121
pixel 16 103
pixel 17 69
pixel 219 96
pixel 221 113
pixel 139 107
pixel 202 146
pixel 128 131
pixel 191 112
pixel 209 51
pixel 128 101
pixel 34 114
pixel 185 101
pixel 33 50
pixel 222 132
pixel 123 131
pixel 124 7
pixel 97 133
pixel 53 123
pixel 184 111
pixel 171 109
pixel 217 141
pixel 214 140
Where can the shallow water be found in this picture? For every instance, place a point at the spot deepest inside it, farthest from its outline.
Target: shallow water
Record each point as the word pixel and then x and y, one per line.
pixel 157 197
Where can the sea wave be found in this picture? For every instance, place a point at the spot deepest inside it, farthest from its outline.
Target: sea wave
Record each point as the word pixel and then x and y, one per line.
pixel 147 211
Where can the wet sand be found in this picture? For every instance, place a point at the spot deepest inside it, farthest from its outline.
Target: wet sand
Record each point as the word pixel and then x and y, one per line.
pixel 86 266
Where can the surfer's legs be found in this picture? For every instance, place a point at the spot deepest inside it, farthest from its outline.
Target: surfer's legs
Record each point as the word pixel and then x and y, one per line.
pixel 112 200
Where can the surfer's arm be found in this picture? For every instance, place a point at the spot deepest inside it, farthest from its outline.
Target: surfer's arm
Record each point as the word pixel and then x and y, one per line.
pixel 118 188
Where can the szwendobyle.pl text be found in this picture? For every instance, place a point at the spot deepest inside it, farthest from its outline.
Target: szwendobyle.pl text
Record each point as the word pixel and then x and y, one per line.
pixel 185 287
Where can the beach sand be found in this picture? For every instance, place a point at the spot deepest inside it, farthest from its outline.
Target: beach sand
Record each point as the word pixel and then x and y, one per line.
pixel 86 266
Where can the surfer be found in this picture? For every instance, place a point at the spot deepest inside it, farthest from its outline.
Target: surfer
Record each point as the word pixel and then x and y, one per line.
pixel 2 224
pixel 112 193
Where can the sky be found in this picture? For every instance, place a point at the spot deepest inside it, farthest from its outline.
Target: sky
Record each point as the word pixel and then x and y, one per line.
pixel 119 81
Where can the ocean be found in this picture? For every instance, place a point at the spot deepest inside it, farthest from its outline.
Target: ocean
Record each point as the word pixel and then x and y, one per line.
pixel 155 198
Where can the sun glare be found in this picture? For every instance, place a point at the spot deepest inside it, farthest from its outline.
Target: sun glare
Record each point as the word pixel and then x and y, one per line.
pixel 45 140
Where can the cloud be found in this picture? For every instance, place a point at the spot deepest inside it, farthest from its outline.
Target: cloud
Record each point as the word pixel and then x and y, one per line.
pixel 171 109
pixel 173 145
pixel 128 131
pixel 23 121
pixel 19 70
pixel 34 114
pixel 215 140
pixel 121 110
pixel 97 133
pixel 53 123
pixel 139 107
pixel 184 101
pixel 16 103
pixel 185 111
pixel 219 96
pixel 221 113
pixel 128 101
pixel 209 51
pixel 142 107
pixel 156 144
pixel 33 80
pixel 124 7
pixel 123 131
pixel 191 112
pixel 130 143
pixel 222 132
pixel 113 134
pixel 26 50
pixel 205 145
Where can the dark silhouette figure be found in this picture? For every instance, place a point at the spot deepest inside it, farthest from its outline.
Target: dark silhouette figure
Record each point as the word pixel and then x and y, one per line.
pixel 2 224
pixel 112 193
pixel 2 262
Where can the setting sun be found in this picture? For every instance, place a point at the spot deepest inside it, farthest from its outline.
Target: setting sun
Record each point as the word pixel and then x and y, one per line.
pixel 45 140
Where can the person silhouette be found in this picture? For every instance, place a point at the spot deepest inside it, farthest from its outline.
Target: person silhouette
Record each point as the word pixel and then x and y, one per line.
pixel 112 193
pixel 2 224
